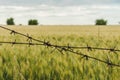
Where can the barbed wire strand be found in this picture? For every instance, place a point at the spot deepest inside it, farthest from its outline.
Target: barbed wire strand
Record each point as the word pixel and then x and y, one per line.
pixel 49 44
pixel 61 48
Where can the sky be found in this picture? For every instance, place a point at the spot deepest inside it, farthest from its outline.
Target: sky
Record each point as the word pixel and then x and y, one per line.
pixel 60 12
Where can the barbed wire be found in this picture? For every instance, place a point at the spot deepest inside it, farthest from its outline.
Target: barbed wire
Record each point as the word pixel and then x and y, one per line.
pixel 23 43
pixel 71 47
pixel 61 48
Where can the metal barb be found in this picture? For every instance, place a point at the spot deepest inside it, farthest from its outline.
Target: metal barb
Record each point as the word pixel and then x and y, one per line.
pixel 89 48
pixel 12 32
pixel 86 57
pixel 14 42
pixel 29 39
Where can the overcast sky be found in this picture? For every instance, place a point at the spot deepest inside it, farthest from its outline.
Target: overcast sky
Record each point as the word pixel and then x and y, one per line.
pixel 71 12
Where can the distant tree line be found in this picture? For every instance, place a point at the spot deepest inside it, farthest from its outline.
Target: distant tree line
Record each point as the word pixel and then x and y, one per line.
pixel 10 21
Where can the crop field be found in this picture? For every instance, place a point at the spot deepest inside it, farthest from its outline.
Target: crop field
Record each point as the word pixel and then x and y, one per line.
pixel 41 62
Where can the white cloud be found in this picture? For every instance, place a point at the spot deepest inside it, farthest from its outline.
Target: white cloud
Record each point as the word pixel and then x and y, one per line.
pixel 58 2
pixel 14 8
pixel 66 12
pixel 44 10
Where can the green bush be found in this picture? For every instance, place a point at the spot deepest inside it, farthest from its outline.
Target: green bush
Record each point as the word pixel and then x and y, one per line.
pixel 101 22
pixel 33 22
pixel 10 21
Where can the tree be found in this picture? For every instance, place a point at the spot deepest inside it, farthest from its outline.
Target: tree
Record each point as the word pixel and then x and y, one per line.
pixel 10 21
pixel 33 22
pixel 101 22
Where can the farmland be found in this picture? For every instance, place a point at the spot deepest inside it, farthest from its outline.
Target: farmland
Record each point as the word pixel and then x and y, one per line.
pixel 21 62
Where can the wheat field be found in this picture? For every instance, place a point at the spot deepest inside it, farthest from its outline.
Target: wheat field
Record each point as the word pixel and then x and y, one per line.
pixel 21 62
